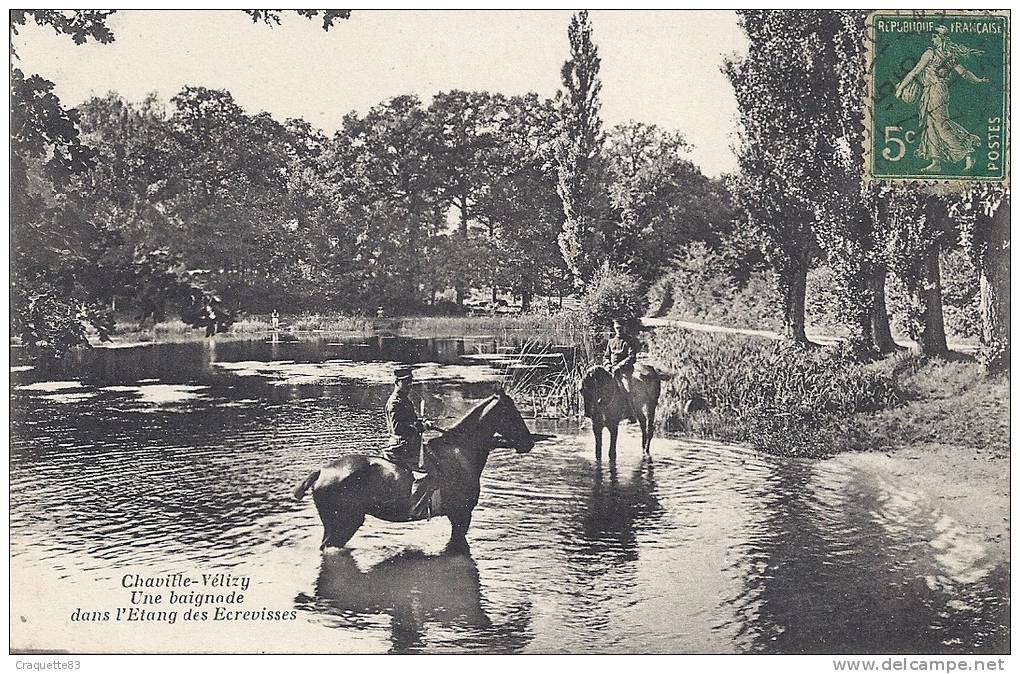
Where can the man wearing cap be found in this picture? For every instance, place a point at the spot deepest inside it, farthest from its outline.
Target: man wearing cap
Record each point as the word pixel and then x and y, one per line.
pixel 621 354
pixel 404 425
pixel 405 434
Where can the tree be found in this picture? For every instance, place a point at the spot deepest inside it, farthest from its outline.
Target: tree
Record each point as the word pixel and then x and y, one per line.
pixel 463 126
pixel 803 79
pixel 578 155
pixel 916 228
pixel 521 209
pixel 65 257
pixel 983 214
pixel 387 192
pixel 774 91
pixel 850 212
pixel 228 207
pixel 661 200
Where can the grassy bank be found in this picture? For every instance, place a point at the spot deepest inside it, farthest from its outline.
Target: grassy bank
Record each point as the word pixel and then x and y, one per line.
pixel 559 328
pixel 175 330
pixel 788 400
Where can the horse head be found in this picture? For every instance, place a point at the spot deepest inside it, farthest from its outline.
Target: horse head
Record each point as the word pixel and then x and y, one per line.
pixel 596 386
pixel 509 422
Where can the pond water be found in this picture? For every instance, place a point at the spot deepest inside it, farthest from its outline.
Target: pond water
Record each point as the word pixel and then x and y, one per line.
pixel 181 458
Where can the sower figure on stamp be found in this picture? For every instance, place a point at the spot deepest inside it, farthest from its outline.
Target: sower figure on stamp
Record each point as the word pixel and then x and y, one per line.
pixel 621 354
pixel 405 446
pixel 941 137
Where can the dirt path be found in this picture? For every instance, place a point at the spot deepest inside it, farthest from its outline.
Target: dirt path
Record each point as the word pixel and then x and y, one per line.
pixel 652 322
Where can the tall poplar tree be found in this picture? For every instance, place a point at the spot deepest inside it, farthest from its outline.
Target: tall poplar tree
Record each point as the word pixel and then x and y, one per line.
pixel 579 155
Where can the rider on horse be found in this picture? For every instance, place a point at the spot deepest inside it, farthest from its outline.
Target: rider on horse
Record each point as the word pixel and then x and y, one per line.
pixel 621 354
pixel 405 446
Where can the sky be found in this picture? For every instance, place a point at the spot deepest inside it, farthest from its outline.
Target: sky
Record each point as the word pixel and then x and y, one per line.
pixel 660 67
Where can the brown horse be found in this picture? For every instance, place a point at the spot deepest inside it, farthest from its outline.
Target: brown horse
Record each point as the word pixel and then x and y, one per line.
pixel 605 403
pixel 357 485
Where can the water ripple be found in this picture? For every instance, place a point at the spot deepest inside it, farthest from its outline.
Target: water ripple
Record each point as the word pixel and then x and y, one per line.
pixel 173 462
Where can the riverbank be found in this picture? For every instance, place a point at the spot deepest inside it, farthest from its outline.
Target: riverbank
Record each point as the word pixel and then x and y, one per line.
pixel 557 328
pixel 967 484
pixel 929 426
pixel 950 441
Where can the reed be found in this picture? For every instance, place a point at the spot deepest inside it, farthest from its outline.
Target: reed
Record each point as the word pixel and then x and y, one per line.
pixel 772 395
pixel 553 388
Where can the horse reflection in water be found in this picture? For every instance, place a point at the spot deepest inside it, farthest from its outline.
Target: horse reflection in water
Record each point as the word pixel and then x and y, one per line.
pixel 419 591
pixel 602 545
pixel 613 509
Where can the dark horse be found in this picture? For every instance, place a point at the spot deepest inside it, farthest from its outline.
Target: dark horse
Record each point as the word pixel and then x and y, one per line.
pixel 605 403
pixel 358 485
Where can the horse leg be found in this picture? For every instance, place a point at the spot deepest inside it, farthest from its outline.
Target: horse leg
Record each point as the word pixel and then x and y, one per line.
pixel 613 431
pixel 642 418
pixel 337 529
pixel 651 428
pixel 459 524
pixel 347 526
pixel 596 429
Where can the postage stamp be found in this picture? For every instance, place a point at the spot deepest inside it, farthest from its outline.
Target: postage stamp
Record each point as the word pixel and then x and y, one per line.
pixel 938 96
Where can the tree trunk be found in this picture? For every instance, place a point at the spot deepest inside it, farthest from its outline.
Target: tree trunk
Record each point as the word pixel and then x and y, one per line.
pixel 525 300
pixel 793 300
pixel 932 339
pixel 881 333
pixel 995 292
pixel 857 313
pixel 463 233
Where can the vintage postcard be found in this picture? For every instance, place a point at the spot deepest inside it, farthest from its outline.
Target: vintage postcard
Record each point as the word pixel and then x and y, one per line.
pixel 510 332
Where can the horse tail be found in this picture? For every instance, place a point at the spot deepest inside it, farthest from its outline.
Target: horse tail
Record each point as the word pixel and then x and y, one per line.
pixel 299 492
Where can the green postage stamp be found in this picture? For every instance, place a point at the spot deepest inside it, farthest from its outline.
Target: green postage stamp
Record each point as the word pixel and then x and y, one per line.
pixel 938 96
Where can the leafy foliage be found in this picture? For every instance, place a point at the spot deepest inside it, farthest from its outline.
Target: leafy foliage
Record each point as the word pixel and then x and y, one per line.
pixel 612 294
pixel 775 92
pixel 270 17
pixel 76 210
pixel 699 287
pixel 660 200
pixel 80 25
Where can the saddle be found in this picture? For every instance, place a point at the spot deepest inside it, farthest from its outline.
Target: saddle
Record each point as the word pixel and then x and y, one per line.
pixel 625 396
pixel 426 497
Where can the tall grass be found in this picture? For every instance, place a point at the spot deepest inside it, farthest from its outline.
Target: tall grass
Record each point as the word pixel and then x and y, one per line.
pixel 328 323
pixel 780 398
pixel 564 327
pixel 552 388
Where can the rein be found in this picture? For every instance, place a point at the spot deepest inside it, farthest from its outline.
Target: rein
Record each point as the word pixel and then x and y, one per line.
pixel 464 436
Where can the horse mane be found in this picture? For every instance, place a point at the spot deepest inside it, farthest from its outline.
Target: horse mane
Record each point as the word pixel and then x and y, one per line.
pixel 468 420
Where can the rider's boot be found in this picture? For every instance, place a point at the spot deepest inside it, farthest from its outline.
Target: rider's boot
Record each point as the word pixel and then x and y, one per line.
pixel 421 497
pixel 424 490
pixel 628 403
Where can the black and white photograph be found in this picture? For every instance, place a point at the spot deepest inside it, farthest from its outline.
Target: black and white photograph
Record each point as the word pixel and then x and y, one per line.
pixel 517 331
